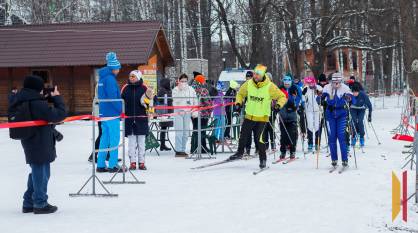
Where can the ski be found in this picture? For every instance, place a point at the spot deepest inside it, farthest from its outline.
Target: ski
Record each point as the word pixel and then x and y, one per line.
pixel 362 149
pixel 248 157
pixel 333 169
pixel 290 160
pixel 279 160
pixel 260 170
pixel 214 164
pixel 342 169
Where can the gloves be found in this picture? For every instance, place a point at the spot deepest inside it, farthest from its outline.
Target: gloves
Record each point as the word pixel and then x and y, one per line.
pixel 237 107
pixel 369 118
pixel 277 107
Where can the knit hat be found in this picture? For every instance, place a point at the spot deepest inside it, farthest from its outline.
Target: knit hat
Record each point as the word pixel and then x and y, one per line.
pixel 260 70
pixel 249 74
pixel 137 74
pixel 355 87
pixel 322 78
pixel 220 86
pixel 34 82
pixel 310 80
pixel 233 84
pixel 200 79
pixel 112 61
pixel 337 77
pixel 287 80
pixel 195 73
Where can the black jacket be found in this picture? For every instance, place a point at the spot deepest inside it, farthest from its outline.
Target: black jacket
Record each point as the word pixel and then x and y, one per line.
pixel 137 121
pixel 40 148
pixel 164 89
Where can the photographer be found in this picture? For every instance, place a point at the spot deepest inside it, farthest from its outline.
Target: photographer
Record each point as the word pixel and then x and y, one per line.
pixel 40 147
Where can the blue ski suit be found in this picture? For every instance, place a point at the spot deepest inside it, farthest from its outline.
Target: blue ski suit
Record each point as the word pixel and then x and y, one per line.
pixel 336 118
pixel 358 111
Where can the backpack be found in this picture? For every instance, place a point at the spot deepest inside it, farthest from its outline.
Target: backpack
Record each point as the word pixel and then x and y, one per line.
pixel 19 112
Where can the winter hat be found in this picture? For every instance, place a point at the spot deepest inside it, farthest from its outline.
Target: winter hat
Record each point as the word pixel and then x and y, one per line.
pixel 34 82
pixel 337 77
pixel 200 79
pixel 310 80
pixel 355 87
pixel 249 74
pixel 322 78
pixel 195 73
pixel 137 74
pixel 220 86
pixel 260 70
pixel 287 80
pixel 233 84
pixel 112 61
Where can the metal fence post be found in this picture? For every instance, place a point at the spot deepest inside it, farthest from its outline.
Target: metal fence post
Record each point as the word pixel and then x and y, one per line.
pixel 416 152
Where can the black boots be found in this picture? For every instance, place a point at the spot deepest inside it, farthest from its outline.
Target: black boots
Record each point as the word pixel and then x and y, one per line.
pixel 263 163
pixel 235 156
pixel 48 209
pixel 163 147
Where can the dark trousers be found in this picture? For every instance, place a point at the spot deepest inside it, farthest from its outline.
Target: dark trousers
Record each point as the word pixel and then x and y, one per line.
pixel 195 139
pixel 249 142
pixel 247 128
pixel 269 132
pixel 97 142
pixel 163 136
pixel 228 122
pixel 285 141
pixel 302 120
pixel 357 116
pixel 36 194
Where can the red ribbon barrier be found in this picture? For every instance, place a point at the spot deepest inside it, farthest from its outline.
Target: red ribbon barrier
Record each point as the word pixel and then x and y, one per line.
pixel 91 117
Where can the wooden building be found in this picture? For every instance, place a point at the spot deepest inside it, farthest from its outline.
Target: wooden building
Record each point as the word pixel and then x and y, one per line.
pixel 69 56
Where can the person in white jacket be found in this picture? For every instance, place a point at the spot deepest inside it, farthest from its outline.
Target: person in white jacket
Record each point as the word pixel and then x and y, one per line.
pixel 312 110
pixel 183 95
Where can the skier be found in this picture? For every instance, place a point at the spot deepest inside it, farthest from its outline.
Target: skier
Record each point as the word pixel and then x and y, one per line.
pixel 301 108
pixel 358 111
pixel 260 91
pixel 288 119
pixel 337 95
pixel 313 113
pixel 137 97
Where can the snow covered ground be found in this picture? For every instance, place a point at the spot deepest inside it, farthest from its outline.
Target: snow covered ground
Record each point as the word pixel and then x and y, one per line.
pixel 286 198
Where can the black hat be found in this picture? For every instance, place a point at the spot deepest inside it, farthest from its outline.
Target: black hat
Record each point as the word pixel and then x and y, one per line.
pixel 34 82
pixel 322 78
pixel 352 77
pixel 249 74
pixel 355 87
pixel 195 73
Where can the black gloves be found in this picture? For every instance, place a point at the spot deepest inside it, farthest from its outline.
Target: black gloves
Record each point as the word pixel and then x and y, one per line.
pixel 369 118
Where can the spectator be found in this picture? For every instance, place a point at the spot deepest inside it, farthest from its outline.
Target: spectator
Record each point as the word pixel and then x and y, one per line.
pixel 137 97
pixel 40 148
pixel 230 98
pixel 108 89
pixel 183 95
pixel 164 99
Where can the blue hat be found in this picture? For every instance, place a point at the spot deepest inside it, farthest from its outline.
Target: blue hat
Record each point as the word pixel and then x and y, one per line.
pixel 112 61
pixel 220 86
pixel 287 80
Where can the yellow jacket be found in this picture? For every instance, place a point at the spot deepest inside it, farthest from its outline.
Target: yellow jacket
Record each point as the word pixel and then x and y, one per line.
pixel 275 94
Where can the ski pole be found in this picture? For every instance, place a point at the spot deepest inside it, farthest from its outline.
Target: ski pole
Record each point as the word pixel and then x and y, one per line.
pixel 374 131
pixel 351 122
pixel 365 128
pixel 284 126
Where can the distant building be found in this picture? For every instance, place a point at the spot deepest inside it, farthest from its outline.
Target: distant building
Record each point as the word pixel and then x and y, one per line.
pixel 69 55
